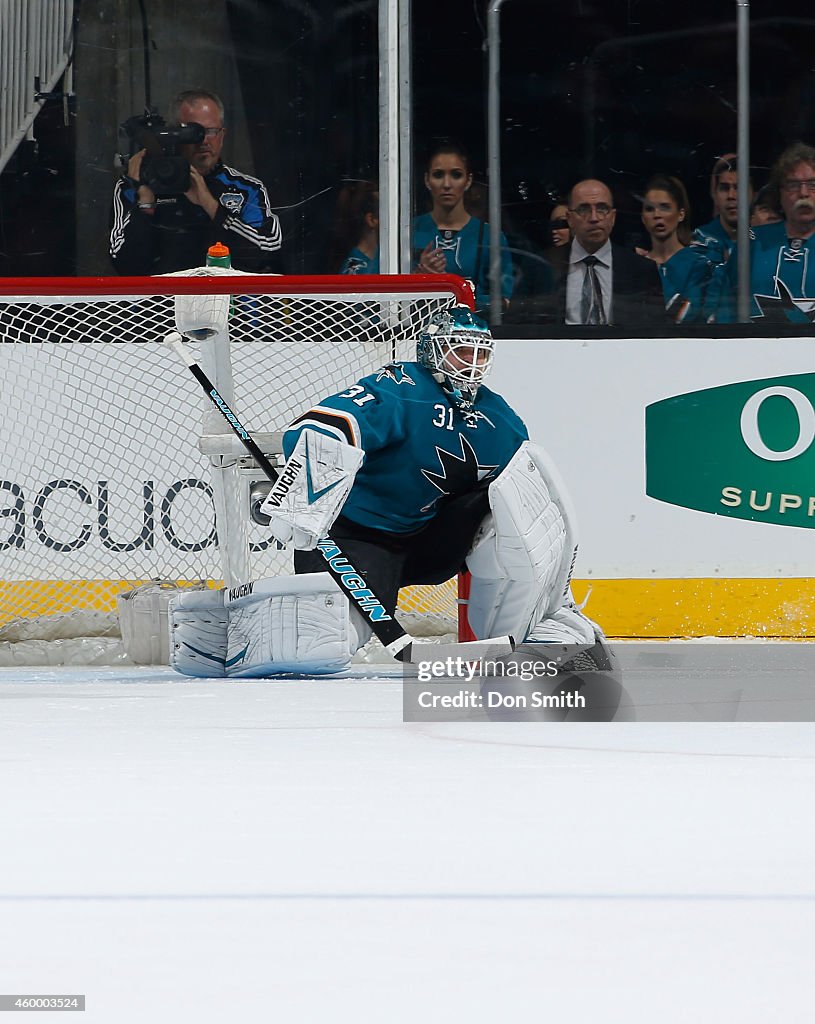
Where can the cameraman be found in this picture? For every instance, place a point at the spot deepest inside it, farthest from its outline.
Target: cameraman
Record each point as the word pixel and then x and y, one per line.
pixel 157 234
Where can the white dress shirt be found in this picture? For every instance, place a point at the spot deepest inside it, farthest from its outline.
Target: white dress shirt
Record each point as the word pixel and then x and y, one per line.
pixel 576 274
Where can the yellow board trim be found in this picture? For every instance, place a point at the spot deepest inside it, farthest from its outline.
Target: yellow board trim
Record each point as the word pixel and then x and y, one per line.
pixel 626 608
pixel 656 609
pixel 33 598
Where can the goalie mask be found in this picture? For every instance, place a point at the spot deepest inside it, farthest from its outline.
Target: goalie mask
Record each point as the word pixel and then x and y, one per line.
pixel 457 348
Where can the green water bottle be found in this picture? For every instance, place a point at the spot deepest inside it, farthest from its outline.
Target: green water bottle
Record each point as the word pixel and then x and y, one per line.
pixel 218 256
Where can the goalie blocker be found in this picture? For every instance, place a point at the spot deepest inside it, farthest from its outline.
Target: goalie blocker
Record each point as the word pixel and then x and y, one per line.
pixel 311 489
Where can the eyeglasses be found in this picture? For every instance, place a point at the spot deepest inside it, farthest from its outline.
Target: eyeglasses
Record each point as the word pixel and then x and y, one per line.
pixel 793 185
pixel 209 133
pixel 585 210
pixel 558 224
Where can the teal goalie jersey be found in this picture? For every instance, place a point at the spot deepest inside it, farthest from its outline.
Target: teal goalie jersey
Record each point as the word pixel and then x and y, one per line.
pixel 421 447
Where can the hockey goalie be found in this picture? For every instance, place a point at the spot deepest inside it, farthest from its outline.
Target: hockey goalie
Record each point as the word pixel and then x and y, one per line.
pixel 417 471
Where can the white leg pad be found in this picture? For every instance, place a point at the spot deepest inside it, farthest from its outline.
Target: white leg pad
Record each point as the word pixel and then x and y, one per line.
pixel 522 559
pixel 143 616
pixel 289 624
pixel 568 625
pixel 197 621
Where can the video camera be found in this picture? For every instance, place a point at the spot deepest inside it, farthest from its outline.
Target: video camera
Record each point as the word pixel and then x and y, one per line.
pixel 163 168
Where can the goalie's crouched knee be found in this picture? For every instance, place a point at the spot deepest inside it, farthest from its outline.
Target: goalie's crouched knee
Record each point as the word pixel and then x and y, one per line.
pixel 285 624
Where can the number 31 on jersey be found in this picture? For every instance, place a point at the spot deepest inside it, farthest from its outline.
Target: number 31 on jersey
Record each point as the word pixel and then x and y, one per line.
pixel 357 394
pixel 443 417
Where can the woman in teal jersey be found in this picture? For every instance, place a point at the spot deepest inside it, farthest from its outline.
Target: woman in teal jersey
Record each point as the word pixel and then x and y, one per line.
pixel 449 240
pixel 683 271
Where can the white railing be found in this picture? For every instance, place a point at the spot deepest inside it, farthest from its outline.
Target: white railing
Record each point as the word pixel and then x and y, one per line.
pixel 36 41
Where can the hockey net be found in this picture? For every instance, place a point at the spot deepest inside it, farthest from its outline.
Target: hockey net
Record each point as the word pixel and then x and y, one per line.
pixel 117 472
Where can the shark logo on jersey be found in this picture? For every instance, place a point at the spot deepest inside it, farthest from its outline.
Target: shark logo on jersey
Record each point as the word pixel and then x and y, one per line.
pixel 232 201
pixel 472 416
pixel 459 473
pixel 397 373
pixel 774 307
pixel 355 265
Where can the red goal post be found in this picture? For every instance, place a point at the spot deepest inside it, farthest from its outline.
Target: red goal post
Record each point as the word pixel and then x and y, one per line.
pixel 116 472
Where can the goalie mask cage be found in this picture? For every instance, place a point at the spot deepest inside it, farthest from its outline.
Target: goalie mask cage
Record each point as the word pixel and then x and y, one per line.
pixel 117 471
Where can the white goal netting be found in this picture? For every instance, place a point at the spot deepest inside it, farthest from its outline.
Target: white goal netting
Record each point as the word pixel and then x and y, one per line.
pixel 114 463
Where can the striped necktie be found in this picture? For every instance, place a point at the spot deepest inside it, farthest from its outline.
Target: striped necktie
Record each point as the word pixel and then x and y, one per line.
pixel 591 298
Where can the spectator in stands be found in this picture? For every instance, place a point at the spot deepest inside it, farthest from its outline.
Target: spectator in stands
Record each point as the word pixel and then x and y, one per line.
pixel 559 229
pixel 536 273
pixel 157 234
pixel 715 240
pixel 560 236
pixel 602 282
pixel 363 217
pixel 683 271
pixel 450 240
pixel 766 206
pixel 782 255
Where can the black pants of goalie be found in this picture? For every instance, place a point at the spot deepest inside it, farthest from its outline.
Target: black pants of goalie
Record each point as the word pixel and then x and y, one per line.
pixel 389 561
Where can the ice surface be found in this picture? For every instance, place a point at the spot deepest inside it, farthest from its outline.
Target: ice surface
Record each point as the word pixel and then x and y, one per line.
pixel 292 851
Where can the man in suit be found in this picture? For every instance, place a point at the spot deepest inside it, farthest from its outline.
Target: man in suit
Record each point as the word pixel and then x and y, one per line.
pixel 603 283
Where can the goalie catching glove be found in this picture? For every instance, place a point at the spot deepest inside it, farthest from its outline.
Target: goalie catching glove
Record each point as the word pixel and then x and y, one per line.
pixel 311 489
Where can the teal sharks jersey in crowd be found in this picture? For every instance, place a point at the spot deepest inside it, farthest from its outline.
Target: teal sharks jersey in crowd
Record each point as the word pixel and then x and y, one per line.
pixel 359 262
pixel 712 241
pixel 420 446
pixel 684 277
pixel 467 253
pixel 782 282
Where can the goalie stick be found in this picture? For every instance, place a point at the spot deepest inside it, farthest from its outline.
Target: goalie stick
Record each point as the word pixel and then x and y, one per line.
pixel 396 641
